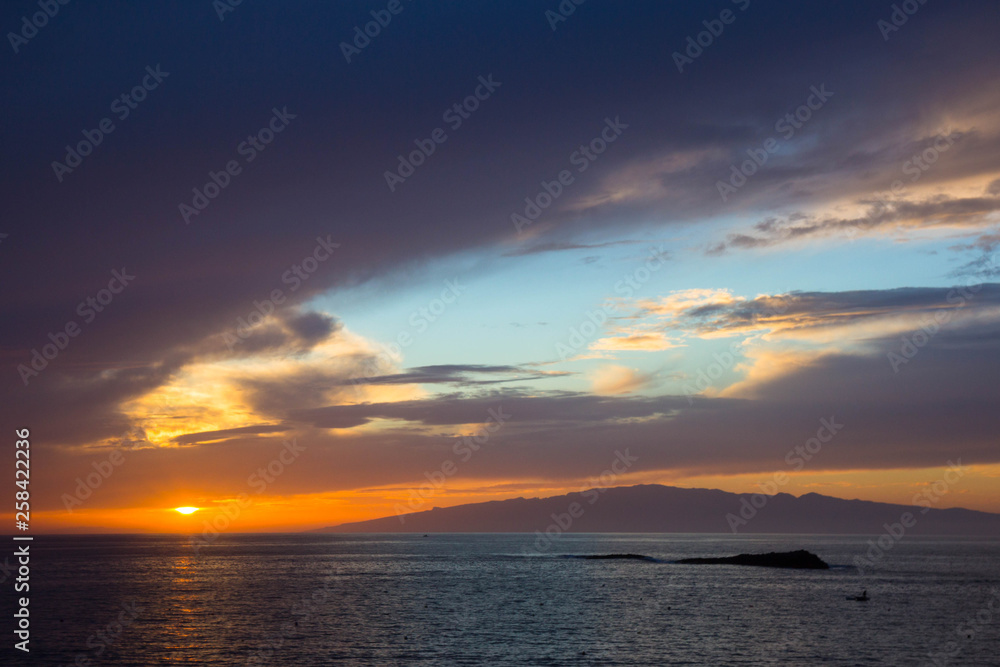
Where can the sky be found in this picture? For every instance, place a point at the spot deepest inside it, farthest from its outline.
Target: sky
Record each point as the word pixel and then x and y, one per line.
pixel 260 262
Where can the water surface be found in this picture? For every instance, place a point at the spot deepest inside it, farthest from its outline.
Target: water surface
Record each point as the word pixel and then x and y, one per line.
pixel 312 599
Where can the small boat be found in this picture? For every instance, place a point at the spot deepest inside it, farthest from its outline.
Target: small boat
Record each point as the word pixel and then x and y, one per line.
pixel 859 598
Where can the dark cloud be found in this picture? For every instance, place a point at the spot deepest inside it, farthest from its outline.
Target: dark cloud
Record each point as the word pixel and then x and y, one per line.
pixel 807 310
pixel 939 407
pixel 224 434
pixel 454 409
pixel 983 267
pixel 312 327
pixel 322 181
pixel 196 279
pixel 553 246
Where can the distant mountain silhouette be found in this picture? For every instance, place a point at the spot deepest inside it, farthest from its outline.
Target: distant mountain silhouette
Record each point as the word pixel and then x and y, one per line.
pixel 652 508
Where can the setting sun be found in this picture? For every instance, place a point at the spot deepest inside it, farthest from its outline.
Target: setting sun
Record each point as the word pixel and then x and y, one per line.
pixel 633 313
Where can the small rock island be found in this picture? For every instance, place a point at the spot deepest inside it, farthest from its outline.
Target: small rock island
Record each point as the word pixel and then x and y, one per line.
pixel 800 559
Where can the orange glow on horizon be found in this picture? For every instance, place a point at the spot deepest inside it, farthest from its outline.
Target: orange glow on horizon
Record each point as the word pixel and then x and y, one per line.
pixel 976 490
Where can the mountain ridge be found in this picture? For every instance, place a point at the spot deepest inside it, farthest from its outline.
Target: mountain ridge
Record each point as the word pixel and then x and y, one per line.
pixel 656 508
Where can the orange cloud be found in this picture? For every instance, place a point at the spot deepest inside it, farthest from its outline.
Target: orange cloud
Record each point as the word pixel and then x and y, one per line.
pixel 611 379
pixel 211 393
pixel 652 341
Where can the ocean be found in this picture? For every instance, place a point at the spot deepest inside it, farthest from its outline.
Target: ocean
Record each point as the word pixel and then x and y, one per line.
pixel 487 599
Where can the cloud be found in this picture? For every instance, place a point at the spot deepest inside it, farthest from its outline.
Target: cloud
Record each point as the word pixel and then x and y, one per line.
pixel 652 341
pixel 157 357
pixel 968 214
pixel 554 246
pixel 454 409
pixel 940 405
pixel 458 374
pixel 983 267
pixel 312 327
pixel 224 434
pixel 611 379
pixel 815 316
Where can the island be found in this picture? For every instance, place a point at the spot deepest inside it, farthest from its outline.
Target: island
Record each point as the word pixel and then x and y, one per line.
pixel 800 559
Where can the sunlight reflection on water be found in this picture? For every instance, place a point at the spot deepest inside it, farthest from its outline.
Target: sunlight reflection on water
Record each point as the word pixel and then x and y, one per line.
pixel 477 599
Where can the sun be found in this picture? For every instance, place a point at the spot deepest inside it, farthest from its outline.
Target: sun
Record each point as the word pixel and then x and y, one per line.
pixel 186 510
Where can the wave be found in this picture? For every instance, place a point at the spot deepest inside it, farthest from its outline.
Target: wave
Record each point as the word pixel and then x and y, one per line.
pixel 648 559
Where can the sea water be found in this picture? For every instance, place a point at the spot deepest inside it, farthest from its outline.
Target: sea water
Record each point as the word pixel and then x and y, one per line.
pixel 487 599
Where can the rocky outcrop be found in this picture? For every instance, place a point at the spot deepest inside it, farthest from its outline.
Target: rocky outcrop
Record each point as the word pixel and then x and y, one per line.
pixel 800 559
